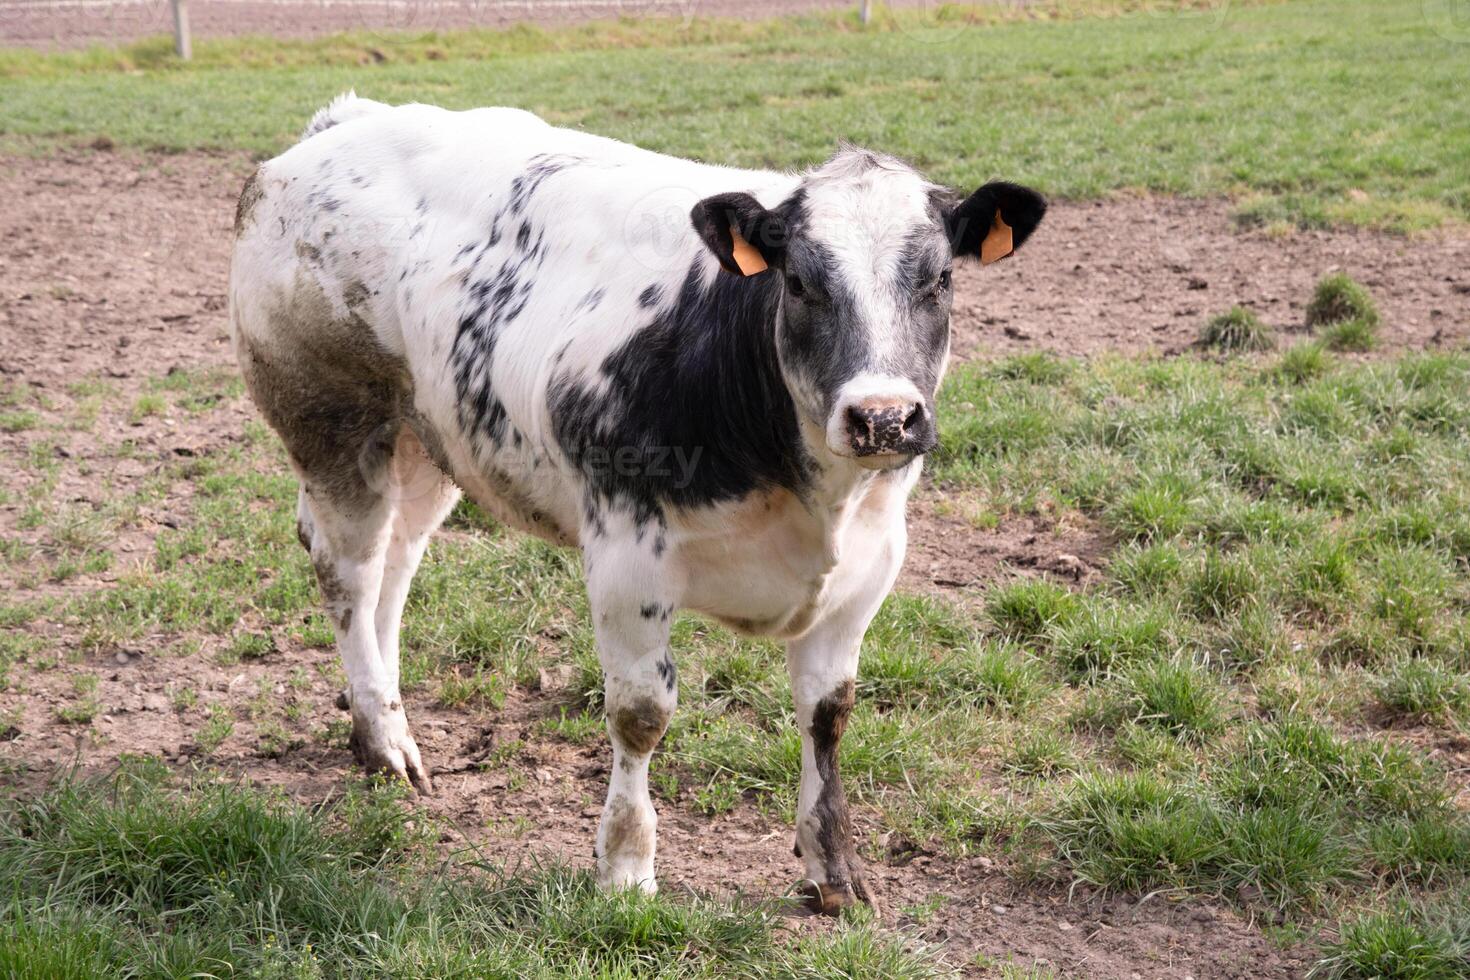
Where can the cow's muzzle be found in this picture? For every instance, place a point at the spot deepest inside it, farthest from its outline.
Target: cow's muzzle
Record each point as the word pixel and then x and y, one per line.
pixel 883 431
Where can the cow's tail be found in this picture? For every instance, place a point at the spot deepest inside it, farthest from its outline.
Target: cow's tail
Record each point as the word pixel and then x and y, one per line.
pixel 343 108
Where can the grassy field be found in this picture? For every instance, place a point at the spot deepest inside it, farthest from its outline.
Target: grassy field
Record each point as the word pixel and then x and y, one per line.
pixel 1314 111
pixel 132 878
pixel 1250 701
pixel 1240 707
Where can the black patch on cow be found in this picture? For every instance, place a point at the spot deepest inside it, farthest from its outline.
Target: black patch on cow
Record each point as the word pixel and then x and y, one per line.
pixel 649 609
pixel 538 169
pixel 668 672
pixel 491 301
pixel 650 297
pixel 701 380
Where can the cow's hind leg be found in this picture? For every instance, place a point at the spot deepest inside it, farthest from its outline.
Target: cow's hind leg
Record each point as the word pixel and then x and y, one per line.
pixel 422 496
pixel 631 604
pixel 349 537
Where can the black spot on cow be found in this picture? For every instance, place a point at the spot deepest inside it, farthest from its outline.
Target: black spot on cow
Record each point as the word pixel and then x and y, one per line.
pixel 668 673
pixel 650 297
pixel 490 302
pixel 538 169
pixel 701 383
pixel 592 517
pixel 250 196
pixel 649 609
pixel 588 303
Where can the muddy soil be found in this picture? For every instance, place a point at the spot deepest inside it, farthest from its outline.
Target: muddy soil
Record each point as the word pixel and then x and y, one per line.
pixel 114 265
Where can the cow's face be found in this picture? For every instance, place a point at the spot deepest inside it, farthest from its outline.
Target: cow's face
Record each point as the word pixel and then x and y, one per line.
pixel 864 250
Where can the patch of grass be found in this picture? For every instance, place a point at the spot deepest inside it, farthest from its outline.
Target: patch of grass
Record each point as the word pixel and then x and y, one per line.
pixel 1302 363
pixel 147 406
pixel 1237 329
pixel 1177 696
pixel 134 877
pixel 1388 122
pixel 1401 944
pixel 1422 690
pixel 1026 609
pixel 19 421
pixel 1339 298
pixel 1136 832
pixel 218 727
pixel 1356 335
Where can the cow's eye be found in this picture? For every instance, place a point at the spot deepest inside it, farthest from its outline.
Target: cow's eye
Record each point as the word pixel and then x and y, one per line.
pixel 944 279
pixel 794 286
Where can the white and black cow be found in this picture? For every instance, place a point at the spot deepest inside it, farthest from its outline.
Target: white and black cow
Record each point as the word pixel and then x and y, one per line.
pixel 716 383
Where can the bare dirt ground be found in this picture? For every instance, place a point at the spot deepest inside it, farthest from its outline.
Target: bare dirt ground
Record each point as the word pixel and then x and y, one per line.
pixel 114 265
pixel 77 23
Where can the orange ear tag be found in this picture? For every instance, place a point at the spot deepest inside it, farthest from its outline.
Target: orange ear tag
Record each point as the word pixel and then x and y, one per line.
pixel 997 243
pixel 746 257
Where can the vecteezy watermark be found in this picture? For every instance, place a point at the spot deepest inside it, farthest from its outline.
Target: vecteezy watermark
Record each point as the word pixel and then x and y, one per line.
pixel 669 466
pixel 1450 19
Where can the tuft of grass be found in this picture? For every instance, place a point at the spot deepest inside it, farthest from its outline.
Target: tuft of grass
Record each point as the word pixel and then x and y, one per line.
pixel 1136 832
pixel 19 421
pixel 1177 696
pixel 1237 329
pixel 1026 609
pixel 1399 944
pixel 1358 335
pixel 1339 298
pixel 1302 363
pixel 1422 690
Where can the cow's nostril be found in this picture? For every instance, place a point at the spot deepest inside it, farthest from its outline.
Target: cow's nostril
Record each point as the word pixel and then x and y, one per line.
pixel 915 418
pixel 858 420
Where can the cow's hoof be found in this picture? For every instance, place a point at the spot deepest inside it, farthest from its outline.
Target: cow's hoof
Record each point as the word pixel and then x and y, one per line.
pixel 831 898
pixel 344 702
pixel 397 756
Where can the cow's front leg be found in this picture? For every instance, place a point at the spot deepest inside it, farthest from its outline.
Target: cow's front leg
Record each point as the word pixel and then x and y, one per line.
pixel 823 671
pixel 631 609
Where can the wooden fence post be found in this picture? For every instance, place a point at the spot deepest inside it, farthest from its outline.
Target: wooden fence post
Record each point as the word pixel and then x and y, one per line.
pixel 866 10
pixel 182 44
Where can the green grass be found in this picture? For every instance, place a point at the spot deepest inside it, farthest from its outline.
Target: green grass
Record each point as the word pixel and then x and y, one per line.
pixel 1237 329
pixel 1301 103
pixel 137 877
pixel 1338 298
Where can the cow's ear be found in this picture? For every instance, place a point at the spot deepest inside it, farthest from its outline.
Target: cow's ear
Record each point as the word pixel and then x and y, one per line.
pixel 744 236
pixel 994 221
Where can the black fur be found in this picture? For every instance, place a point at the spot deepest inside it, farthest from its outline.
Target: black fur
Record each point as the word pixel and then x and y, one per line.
pixel 491 301
pixel 969 222
pixel 703 379
pixel 538 168
pixel 668 673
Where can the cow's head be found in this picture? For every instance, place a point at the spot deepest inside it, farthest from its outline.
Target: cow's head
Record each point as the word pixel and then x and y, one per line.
pixel 864 249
